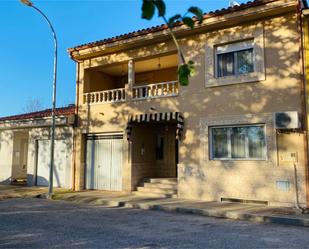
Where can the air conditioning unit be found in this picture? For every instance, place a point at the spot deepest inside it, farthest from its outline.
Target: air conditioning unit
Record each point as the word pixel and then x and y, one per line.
pixel 286 120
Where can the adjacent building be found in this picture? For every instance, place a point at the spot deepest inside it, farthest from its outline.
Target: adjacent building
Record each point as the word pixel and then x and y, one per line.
pixel 25 148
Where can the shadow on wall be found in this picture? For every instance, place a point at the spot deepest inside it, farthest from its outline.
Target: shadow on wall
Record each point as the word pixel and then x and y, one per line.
pixel 279 92
pixel 62 155
pixel 33 180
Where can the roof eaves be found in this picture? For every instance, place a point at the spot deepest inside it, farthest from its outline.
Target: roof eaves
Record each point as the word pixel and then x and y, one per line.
pixel 162 27
pixel 62 111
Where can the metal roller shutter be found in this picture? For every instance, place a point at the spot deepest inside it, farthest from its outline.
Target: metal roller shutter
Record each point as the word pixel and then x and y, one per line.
pixel 104 162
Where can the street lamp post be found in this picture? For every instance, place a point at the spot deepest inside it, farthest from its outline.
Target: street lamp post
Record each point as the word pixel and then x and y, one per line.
pixel 52 146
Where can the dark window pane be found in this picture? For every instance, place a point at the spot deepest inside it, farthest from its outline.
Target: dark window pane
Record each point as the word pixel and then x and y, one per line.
pixel 238 142
pixel 225 64
pixel 219 143
pixel 244 61
pixel 257 144
pixel 245 142
pixel 160 148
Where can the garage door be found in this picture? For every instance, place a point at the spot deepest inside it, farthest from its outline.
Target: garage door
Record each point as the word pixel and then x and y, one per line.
pixel 62 164
pixel 104 162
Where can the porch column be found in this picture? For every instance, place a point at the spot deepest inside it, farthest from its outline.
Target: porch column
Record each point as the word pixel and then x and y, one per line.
pixel 131 79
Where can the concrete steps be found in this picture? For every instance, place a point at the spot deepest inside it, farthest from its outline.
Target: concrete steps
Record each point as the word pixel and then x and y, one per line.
pixel 158 188
pixel 152 195
pixel 160 185
pixel 162 180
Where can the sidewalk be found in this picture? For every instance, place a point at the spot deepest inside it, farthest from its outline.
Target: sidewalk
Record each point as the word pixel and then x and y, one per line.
pixel 20 191
pixel 255 213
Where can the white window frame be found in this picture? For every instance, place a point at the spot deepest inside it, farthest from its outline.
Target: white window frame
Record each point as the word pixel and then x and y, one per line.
pixel 233 48
pixel 211 156
pixel 254 33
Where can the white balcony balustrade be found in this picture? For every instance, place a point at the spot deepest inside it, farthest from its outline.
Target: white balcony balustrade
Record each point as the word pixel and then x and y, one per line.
pixel 149 91
pixel 107 96
pixel 157 90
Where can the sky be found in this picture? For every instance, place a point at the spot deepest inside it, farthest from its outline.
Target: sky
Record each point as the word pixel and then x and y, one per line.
pixel 26 44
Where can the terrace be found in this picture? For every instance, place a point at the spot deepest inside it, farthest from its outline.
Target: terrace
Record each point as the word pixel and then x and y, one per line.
pixel 131 81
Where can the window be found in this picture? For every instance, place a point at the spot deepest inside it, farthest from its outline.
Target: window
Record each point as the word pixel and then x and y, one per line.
pixel 235 59
pixel 229 60
pixel 239 142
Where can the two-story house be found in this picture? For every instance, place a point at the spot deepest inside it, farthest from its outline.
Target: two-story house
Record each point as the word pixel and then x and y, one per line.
pixel 236 132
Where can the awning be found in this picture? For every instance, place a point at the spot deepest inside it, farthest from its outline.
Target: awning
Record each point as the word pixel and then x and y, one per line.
pixel 157 117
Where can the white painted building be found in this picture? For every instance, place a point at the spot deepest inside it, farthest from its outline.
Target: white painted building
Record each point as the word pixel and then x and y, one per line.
pixel 25 148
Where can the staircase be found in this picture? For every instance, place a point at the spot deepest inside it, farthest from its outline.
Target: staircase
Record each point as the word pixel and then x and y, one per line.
pixel 158 188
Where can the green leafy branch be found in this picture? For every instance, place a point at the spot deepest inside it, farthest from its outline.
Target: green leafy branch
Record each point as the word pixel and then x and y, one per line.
pixel 149 7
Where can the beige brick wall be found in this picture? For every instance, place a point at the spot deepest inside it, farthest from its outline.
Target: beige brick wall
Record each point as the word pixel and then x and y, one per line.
pixel 203 105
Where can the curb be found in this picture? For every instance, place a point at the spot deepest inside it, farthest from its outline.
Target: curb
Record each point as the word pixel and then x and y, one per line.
pixel 292 221
pixel 227 215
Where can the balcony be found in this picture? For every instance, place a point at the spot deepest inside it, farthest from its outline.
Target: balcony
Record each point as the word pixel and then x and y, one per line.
pixel 105 85
pixel 132 81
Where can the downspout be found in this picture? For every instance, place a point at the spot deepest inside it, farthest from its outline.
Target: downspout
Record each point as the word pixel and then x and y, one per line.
pixel 76 121
pixel 304 106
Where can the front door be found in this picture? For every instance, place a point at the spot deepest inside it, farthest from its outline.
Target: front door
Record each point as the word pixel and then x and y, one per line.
pixel 166 152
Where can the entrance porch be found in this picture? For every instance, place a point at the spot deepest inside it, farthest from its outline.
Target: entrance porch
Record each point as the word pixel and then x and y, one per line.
pixel 153 142
pixel 20 157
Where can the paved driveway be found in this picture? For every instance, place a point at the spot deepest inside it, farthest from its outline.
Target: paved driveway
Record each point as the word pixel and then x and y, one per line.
pixel 37 223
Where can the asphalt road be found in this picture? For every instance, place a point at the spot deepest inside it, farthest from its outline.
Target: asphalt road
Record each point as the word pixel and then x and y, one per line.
pixel 37 223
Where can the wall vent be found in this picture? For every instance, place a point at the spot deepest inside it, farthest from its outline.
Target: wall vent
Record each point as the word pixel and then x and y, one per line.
pixel 283 185
pixel 244 201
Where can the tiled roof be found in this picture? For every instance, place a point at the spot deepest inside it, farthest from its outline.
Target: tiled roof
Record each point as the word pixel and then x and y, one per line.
pixel 63 111
pixel 164 26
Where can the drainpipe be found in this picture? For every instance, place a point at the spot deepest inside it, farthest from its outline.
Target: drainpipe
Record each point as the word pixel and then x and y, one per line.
pixel 303 98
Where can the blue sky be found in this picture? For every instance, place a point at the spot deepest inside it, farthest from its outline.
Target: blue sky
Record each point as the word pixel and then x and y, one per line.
pixel 26 63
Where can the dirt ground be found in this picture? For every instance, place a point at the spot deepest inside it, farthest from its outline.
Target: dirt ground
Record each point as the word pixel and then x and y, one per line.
pixel 16 191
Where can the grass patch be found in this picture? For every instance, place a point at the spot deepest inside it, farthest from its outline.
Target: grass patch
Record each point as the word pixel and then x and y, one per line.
pixel 63 191
pixel 57 195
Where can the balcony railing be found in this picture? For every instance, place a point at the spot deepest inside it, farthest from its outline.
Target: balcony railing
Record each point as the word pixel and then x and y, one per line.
pixel 107 96
pixel 157 90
